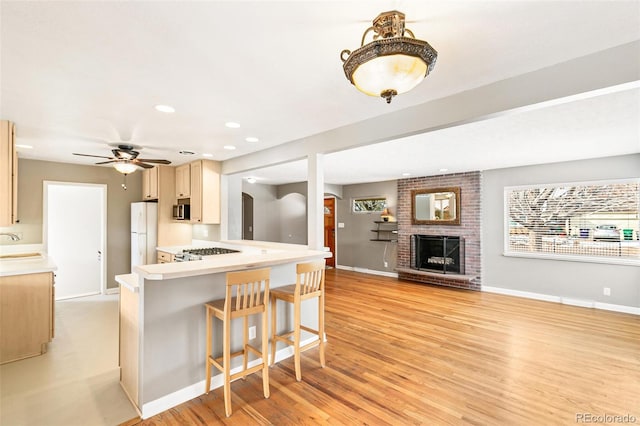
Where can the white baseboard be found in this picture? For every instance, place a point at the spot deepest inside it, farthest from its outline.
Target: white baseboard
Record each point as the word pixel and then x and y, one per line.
pixel 113 290
pixel 368 271
pixel 193 391
pixel 564 300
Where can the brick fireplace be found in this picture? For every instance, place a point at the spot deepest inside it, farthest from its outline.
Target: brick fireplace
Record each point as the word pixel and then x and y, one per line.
pixel 469 228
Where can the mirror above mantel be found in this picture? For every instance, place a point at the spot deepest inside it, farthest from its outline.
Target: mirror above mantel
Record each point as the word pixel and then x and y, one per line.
pixel 435 206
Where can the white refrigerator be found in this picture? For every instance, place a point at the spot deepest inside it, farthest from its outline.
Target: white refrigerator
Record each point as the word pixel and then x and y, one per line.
pixel 144 233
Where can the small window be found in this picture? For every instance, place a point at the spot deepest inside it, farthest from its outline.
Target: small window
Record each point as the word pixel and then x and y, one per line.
pixel 369 204
pixel 597 221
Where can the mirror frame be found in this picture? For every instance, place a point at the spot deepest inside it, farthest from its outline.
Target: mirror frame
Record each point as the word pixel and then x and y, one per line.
pixel 455 221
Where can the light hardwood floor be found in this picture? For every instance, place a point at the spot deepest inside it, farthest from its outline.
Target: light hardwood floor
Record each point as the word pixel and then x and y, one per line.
pixel 404 353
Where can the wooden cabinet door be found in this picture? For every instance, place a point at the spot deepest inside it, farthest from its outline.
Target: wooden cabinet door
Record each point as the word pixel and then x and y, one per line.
pixel 8 175
pixel 150 184
pixel 196 192
pixel 26 315
pixel 183 181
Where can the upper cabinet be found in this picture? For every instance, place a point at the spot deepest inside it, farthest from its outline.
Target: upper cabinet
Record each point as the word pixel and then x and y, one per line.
pixel 205 191
pixel 183 181
pixel 9 175
pixel 150 178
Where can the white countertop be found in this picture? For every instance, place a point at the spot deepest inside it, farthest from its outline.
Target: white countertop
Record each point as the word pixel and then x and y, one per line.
pixel 255 254
pixel 29 265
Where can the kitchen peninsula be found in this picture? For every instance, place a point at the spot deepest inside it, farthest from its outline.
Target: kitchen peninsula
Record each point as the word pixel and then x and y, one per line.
pixel 162 319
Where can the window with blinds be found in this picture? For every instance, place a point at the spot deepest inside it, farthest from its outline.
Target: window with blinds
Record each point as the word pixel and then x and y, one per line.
pixel 580 221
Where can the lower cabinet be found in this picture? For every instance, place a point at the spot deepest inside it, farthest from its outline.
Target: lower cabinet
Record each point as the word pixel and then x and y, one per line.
pixel 164 257
pixel 26 315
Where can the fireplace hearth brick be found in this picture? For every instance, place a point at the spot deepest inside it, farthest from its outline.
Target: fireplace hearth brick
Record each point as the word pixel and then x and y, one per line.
pixel 469 228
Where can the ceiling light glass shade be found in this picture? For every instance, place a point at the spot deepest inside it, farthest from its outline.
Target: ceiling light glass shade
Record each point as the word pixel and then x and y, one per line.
pixel 399 73
pixel 392 63
pixel 125 167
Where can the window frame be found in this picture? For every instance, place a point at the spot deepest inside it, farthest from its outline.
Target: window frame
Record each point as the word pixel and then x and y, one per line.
pixel 372 197
pixel 563 256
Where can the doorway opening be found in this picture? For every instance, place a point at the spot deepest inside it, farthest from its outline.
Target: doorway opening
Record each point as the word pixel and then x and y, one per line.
pixel 330 229
pixel 74 234
pixel 247 216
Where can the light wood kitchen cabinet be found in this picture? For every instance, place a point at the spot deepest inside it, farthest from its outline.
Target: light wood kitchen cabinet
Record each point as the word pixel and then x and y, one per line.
pixel 26 315
pixel 183 181
pixel 8 175
pixel 150 184
pixel 205 192
pixel 165 257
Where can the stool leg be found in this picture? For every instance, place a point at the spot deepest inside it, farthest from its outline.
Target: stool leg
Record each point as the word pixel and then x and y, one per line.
pixel 273 329
pixel 207 363
pixel 321 328
pixel 265 353
pixel 296 337
pixel 245 342
pixel 226 362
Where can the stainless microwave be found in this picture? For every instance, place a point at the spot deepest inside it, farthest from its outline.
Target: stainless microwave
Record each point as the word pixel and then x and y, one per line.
pixel 182 212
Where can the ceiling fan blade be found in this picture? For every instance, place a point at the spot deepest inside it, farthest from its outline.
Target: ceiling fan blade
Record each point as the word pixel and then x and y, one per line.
pixel 96 156
pixel 109 162
pixel 146 160
pixel 143 165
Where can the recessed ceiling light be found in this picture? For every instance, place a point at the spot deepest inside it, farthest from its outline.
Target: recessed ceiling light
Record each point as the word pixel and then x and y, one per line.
pixel 229 147
pixel 232 124
pixel 19 145
pixel 444 170
pixel 165 108
pixel 252 139
pixel 251 180
pixel 406 174
pixel 207 155
pixel 184 152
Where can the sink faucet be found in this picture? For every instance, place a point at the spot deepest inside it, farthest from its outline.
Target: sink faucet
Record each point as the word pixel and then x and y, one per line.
pixel 14 237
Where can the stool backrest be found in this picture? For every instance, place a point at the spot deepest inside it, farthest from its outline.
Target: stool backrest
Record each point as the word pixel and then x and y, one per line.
pixel 247 292
pixel 310 280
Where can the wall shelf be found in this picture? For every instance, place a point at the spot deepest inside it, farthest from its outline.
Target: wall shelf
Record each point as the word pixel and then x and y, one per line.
pixel 385 231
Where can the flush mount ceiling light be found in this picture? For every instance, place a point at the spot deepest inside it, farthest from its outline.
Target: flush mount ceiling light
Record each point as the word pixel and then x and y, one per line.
pixel 165 108
pixel 232 125
pixel 392 63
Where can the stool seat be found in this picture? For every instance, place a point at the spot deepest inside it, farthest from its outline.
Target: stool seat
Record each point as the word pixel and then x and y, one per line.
pixel 309 284
pixel 247 293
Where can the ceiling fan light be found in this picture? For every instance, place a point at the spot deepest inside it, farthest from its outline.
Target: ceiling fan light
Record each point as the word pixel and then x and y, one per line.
pixel 125 167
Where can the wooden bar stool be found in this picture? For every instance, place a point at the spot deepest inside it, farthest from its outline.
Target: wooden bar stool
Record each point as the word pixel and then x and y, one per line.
pixel 247 293
pixel 309 284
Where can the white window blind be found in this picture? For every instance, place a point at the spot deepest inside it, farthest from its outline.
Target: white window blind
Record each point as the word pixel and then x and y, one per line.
pixel 590 220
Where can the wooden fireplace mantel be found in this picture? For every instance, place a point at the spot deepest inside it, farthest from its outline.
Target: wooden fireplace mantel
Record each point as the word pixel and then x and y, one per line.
pixel 453 277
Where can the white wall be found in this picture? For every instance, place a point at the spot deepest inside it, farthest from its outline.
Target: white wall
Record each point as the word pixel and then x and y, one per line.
pixel 573 280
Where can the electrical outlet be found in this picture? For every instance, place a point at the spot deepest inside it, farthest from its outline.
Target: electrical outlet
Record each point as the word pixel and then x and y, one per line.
pixel 386 264
pixel 252 332
pixel 606 291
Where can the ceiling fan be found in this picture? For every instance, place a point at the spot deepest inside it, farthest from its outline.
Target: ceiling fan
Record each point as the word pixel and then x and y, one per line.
pixel 125 159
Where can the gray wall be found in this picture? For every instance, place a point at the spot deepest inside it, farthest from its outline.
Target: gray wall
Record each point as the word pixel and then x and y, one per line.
pixel 31 174
pixel 574 280
pixel 354 246
pixel 266 211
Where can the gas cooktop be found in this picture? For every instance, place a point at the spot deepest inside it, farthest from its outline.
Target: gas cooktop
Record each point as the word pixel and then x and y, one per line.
pixel 201 253
pixel 210 251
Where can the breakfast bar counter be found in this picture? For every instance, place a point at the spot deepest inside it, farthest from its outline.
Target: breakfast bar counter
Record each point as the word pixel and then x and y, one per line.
pixel 162 319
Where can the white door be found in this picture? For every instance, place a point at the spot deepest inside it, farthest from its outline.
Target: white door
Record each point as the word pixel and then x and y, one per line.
pixel 74 236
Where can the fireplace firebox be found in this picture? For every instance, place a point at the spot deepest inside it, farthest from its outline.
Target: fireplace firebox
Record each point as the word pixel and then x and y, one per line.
pixel 437 253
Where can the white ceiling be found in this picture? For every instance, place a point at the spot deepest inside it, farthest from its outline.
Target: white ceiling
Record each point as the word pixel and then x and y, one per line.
pixel 78 76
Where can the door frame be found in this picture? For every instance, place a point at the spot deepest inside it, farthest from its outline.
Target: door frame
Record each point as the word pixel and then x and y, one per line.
pixel 103 225
pixel 335 227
